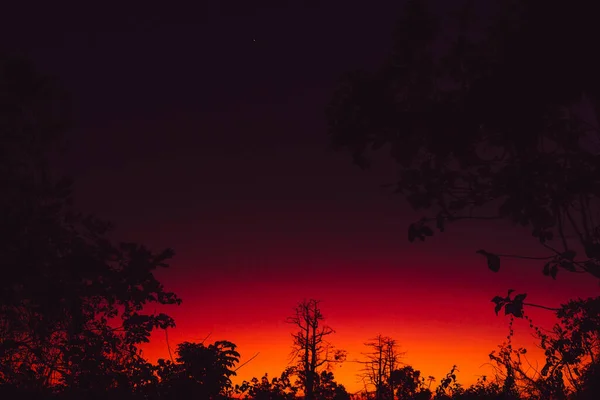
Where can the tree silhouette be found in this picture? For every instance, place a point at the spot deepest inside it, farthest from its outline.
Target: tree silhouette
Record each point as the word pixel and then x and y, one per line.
pixel 491 126
pixel 383 359
pixel 310 348
pixel 199 371
pixel 406 382
pixel 590 382
pixel 327 388
pixel 71 302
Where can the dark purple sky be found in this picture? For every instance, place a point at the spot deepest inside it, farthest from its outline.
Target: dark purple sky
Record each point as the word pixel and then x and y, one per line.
pixel 211 113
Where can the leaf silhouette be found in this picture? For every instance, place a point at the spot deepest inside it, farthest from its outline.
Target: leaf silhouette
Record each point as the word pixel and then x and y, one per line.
pixel 520 297
pixel 493 260
pixel 498 308
pixel 497 299
pixel 546 270
pixel 553 271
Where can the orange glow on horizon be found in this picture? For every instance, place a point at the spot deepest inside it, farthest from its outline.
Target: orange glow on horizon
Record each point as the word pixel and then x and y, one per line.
pixel 437 323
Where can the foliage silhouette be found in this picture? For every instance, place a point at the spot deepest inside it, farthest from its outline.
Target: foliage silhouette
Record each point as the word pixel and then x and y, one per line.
pixel 327 388
pixel 483 390
pixel 571 351
pixel 491 127
pixel 406 382
pixel 71 301
pixel 281 388
pixel 449 386
pixel 199 371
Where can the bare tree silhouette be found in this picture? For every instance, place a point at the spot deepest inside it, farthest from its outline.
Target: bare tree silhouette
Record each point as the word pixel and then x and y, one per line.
pixel 311 349
pixel 382 359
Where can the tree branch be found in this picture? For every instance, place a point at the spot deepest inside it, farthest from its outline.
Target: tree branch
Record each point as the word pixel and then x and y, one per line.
pixel 539 306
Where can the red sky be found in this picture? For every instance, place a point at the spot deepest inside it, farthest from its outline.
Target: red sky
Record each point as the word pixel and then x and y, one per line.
pixel 201 128
pixel 434 299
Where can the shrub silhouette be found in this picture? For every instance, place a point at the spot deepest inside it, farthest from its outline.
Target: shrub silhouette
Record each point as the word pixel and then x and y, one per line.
pixel 199 371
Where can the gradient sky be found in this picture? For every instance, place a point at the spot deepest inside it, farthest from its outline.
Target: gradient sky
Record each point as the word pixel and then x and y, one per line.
pixel 202 128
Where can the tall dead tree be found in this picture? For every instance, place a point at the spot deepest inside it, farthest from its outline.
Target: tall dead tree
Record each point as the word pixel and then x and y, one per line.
pixel 381 361
pixel 310 348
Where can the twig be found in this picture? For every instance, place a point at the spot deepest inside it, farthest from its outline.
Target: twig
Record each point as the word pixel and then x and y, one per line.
pixel 207 336
pixel 251 358
pixel 524 257
pixel 168 346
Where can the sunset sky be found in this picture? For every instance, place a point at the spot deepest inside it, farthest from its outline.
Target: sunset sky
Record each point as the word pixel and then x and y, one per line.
pixel 202 129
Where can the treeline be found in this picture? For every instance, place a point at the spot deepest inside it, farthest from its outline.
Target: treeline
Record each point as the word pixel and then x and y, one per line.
pixel 205 371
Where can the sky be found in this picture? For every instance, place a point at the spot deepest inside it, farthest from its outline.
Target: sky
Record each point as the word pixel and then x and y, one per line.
pixel 202 128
